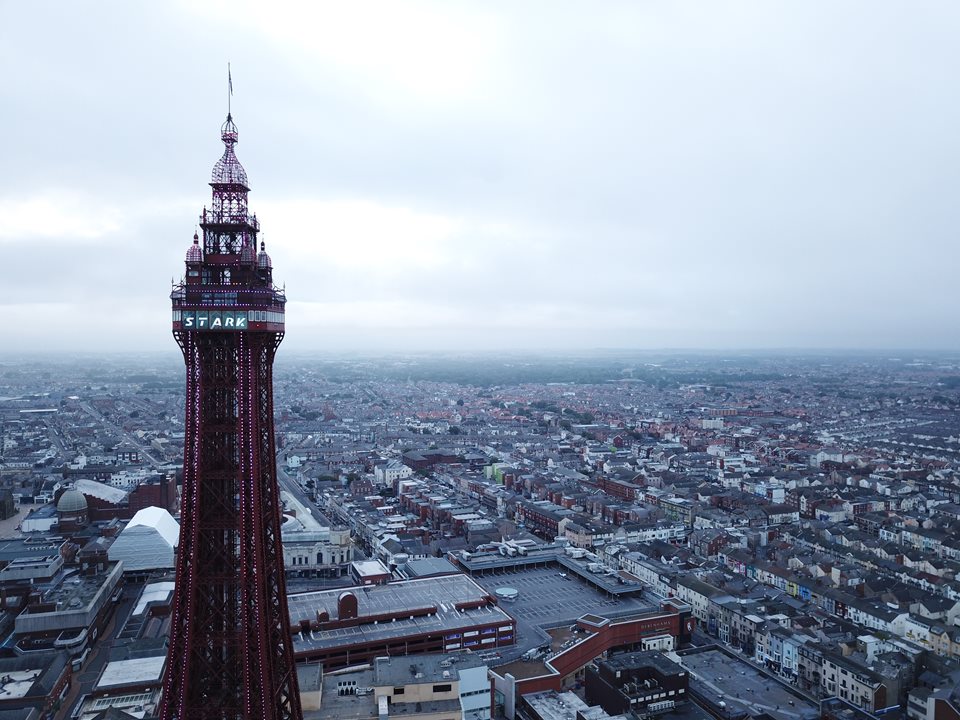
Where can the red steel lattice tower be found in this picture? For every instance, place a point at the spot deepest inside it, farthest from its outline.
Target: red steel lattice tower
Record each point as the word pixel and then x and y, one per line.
pixel 230 654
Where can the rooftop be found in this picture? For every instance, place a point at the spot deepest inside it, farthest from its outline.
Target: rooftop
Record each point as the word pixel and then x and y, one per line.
pixel 101 491
pixel 723 677
pixel 348 706
pixel 393 600
pixel 136 671
pixel 74 592
pixel 422 668
pixel 17 683
pixel 649 658
pixel 20 548
pixel 555 706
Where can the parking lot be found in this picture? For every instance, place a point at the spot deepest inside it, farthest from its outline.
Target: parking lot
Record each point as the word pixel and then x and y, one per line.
pixel 743 687
pixel 545 599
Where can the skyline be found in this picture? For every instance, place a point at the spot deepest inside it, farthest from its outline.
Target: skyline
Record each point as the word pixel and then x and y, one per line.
pixel 472 176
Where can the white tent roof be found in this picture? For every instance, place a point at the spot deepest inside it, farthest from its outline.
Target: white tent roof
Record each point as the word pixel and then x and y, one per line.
pixel 147 542
pixel 160 520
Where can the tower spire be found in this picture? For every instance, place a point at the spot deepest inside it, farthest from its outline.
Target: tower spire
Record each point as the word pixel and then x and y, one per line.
pixel 229 91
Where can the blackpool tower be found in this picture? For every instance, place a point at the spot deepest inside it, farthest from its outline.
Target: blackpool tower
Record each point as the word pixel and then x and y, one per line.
pixel 230 653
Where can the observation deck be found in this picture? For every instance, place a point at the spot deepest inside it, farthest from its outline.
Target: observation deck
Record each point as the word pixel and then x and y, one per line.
pixel 227 309
pixel 230 216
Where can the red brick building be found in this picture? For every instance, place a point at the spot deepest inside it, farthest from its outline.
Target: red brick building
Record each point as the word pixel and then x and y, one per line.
pixel 600 634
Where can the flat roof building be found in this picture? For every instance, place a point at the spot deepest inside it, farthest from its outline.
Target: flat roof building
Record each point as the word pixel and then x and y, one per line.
pixel 552 705
pixel 70 612
pixel 369 572
pixel 428 687
pixel 340 627
pixel 595 635
pixel 38 680
pixel 642 682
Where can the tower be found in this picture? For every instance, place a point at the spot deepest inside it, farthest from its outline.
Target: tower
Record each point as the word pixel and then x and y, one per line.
pixel 230 654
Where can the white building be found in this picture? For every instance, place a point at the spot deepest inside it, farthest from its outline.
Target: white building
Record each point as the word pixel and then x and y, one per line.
pixel 389 472
pixel 148 542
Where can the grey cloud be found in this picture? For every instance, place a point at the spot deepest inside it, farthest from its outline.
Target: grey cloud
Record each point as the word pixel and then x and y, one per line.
pixel 741 174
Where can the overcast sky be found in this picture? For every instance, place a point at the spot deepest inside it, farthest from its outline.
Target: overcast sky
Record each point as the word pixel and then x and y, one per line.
pixel 528 175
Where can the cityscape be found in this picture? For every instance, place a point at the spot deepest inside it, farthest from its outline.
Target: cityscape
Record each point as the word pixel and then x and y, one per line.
pixel 763 535
pixel 572 361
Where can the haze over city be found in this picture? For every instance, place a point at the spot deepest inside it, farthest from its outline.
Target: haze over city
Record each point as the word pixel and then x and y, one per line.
pixel 438 176
pixel 617 374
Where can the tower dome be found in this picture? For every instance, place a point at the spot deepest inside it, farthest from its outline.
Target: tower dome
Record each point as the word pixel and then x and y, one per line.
pixel 194 253
pixel 263 260
pixel 228 170
pixel 71 501
pixel 248 254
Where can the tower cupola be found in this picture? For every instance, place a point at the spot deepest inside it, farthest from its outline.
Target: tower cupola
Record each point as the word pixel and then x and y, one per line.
pixel 263 260
pixel 194 252
pixel 248 254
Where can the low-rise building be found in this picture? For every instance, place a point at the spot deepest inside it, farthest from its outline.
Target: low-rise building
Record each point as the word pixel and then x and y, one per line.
pixel 436 614
pixel 37 681
pixel 428 687
pixel 640 683
pixel 72 613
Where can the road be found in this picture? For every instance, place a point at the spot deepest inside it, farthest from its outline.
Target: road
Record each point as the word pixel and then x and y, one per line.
pixel 290 484
pixel 129 437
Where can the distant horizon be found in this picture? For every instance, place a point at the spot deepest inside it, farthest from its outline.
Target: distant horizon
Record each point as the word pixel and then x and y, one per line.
pixel 517 352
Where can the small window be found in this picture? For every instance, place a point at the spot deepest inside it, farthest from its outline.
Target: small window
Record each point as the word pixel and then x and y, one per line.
pixel 442 688
pixel 399 690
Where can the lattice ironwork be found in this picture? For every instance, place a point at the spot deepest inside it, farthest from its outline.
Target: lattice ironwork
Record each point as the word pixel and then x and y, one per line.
pixel 230 654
